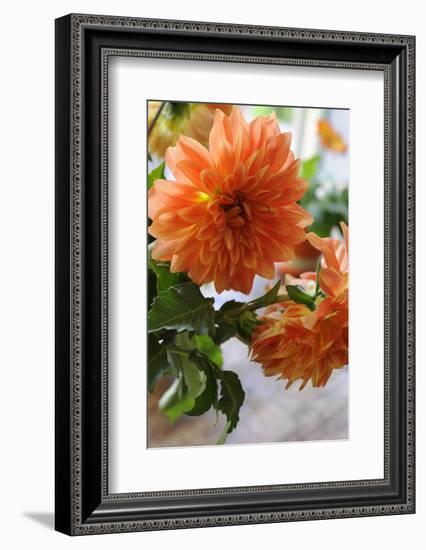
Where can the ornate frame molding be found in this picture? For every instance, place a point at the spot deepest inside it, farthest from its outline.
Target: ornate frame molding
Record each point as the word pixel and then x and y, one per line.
pixel 72 47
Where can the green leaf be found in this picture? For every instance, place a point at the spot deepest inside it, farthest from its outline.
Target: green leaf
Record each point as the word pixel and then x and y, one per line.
pixel 195 379
pixel 166 279
pixel 182 307
pixel 232 304
pixel 308 168
pixel 300 297
pixel 152 287
pixel 162 275
pixel 205 345
pixel 190 383
pixel 199 380
pixel 184 341
pixel 158 364
pixel 176 400
pixel 208 398
pixel 231 397
pixel 156 174
pixel 182 365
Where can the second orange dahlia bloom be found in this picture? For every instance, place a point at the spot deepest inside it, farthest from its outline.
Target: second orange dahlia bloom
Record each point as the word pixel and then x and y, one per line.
pixel 231 212
pixel 296 343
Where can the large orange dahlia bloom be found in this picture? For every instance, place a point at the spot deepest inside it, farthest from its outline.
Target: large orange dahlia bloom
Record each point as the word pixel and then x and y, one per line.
pixel 296 343
pixel 232 212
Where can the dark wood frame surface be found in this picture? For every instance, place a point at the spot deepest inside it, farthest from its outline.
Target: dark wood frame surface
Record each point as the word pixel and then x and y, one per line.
pixel 84 44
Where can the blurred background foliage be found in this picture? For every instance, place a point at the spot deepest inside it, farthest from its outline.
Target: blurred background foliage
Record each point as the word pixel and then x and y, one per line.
pixel 328 207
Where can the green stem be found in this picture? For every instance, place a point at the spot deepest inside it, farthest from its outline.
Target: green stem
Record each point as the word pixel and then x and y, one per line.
pixel 249 306
pixel 317 286
pixel 252 307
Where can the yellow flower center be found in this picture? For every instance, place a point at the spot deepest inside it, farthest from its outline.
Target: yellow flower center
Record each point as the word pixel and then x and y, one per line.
pixel 203 197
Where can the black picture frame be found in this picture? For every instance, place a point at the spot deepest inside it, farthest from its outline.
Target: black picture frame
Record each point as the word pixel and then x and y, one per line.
pixel 83 45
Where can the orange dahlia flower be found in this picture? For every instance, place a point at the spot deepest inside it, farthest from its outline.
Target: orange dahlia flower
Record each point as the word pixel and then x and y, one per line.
pixel 189 119
pixel 334 275
pixel 296 343
pixel 231 212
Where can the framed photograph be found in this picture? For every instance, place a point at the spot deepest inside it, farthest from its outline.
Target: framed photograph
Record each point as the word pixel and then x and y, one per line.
pixel 234 274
